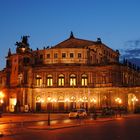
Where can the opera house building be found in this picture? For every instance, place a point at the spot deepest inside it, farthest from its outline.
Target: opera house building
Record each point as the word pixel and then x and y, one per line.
pixel 75 73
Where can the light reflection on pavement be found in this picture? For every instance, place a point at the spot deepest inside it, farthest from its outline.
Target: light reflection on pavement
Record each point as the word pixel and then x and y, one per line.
pixel 13 127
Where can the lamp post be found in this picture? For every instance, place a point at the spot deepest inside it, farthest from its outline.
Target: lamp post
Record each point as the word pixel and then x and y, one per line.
pixel 49 119
pixel 49 110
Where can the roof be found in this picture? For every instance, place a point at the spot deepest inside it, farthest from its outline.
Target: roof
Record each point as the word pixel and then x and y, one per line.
pixel 73 42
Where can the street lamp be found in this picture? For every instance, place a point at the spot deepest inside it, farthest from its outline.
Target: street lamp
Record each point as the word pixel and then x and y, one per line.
pixel 118 101
pixel 93 100
pixel 134 99
pixel 49 112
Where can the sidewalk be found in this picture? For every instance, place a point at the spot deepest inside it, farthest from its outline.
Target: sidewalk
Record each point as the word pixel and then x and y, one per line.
pixel 83 122
pixel 80 122
pixel 29 117
pixel 18 118
pixel 21 128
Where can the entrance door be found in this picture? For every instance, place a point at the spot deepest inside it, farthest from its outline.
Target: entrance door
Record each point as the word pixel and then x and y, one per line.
pixel 72 105
pixel 61 106
pixel 38 107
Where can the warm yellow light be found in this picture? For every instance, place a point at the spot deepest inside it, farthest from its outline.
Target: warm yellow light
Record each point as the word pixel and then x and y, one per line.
pixel 72 98
pixel 42 100
pixel 49 98
pixel 1 101
pixel 93 100
pixel 53 100
pixel 13 101
pixel 1 94
pixel 134 99
pixel 67 100
pixel 80 100
pixel 118 100
pixel 84 98
pixel 23 49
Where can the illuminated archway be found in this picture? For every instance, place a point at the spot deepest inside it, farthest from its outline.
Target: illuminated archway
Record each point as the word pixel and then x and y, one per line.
pixel 132 101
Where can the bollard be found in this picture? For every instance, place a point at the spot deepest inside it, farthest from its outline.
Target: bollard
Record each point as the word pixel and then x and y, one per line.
pixel 49 119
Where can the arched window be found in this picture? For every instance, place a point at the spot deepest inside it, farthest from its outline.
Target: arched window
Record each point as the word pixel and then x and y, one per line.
pixel 84 80
pixel 61 80
pixel 72 80
pixel 38 80
pixel 49 80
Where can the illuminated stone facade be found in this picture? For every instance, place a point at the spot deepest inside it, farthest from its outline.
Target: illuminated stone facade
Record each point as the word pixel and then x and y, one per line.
pixel 75 73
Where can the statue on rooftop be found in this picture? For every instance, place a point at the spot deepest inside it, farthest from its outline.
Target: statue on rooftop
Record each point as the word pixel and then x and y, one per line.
pixel 25 40
pixel 23 45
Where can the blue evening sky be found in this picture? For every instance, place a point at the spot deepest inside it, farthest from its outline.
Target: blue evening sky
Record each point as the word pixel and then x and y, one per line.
pixel 48 22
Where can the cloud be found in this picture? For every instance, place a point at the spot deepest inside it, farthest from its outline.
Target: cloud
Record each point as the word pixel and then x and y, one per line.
pixel 132 43
pixel 131 51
